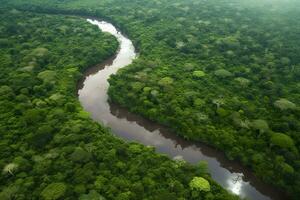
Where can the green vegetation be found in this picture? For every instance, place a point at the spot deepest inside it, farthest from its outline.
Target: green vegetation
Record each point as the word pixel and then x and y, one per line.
pixel 50 149
pixel 199 183
pixel 249 91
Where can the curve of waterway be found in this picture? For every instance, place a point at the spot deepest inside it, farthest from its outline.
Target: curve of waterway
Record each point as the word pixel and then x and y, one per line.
pixel 92 91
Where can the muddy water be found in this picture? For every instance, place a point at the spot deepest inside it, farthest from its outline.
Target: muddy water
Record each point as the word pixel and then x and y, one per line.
pixel 93 97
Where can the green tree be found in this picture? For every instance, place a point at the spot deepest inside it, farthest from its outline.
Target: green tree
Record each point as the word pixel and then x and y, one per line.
pixel 282 140
pixel 54 191
pixel 199 184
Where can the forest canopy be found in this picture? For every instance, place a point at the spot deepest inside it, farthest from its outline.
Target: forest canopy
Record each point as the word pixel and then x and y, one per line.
pixel 50 148
pixel 223 72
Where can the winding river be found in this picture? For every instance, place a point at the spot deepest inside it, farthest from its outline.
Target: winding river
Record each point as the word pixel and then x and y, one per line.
pixel 93 97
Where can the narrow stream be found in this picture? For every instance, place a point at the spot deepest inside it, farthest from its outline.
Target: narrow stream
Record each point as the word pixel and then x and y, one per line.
pixel 93 97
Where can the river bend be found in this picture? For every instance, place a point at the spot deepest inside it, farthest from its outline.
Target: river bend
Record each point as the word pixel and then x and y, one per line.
pixel 93 97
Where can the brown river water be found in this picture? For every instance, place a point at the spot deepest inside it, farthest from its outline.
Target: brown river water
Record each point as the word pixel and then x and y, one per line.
pixel 92 94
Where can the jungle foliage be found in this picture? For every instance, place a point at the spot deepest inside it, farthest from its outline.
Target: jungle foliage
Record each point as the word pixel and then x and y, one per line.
pixel 50 148
pixel 223 72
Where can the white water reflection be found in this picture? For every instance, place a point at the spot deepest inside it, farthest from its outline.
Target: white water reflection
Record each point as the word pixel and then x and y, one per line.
pixel 235 183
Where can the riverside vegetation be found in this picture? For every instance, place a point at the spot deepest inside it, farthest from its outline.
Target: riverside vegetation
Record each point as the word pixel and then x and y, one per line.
pixel 226 73
pixel 50 148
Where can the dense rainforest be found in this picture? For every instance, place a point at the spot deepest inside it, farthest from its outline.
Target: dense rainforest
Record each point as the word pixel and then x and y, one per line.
pixel 50 148
pixel 223 72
